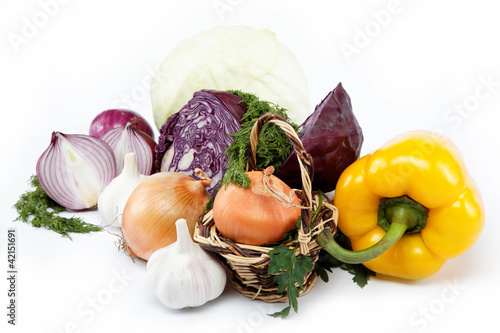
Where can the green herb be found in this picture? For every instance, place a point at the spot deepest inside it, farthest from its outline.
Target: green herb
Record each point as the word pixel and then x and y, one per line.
pixel 273 146
pixel 38 209
pixel 325 262
pixel 290 273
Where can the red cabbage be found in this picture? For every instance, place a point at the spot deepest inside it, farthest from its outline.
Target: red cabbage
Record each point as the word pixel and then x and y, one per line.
pixel 197 136
pixel 333 137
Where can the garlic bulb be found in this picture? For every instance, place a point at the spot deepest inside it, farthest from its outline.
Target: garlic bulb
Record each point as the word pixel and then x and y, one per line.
pixel 183 275
pixel 113 198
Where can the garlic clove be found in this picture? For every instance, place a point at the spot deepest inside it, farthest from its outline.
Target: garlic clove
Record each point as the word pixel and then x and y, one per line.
pixel 113 198
pixel 183 275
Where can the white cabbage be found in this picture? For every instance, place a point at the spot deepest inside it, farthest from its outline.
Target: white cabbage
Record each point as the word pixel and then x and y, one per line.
pixel 231 58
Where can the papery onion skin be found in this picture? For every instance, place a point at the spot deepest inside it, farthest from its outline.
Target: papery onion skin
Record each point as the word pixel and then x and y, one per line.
pixel 252 216
pixel 148 220
pixel 137 142
pixel 75 169
pixel 113 118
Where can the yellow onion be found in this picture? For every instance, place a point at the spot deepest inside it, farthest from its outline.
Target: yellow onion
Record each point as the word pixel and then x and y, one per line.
pixel 148 220
pixel 259 214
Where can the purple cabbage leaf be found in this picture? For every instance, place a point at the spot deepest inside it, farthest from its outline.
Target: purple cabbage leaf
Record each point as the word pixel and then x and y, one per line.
pixel 197 136
pixel 333 137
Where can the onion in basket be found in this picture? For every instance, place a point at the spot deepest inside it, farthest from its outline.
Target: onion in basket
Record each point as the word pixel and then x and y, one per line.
pixel 254 215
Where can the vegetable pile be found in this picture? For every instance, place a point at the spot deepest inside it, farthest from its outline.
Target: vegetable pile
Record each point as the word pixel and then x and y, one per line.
pixel 412 199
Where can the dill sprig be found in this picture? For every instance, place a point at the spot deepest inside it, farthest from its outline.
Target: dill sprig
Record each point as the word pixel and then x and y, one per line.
pixel 273 146
pixel 35 207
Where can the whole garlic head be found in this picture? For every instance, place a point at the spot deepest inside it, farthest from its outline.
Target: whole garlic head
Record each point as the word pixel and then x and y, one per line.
pixel 183 275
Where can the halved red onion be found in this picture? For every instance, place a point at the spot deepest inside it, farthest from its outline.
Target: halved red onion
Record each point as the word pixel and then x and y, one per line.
pixel 74 169
pixel 113 118
pixel 129 139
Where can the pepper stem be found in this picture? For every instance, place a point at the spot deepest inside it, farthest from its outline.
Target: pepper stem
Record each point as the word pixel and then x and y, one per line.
pixel 396 216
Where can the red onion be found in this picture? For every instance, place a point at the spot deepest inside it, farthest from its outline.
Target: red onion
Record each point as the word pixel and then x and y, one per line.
pixel 129 139
pixel 74 169
pixel 114 118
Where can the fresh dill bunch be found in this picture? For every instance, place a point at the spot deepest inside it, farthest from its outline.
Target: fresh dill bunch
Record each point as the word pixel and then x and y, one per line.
pixel 35 207
pixel 273 146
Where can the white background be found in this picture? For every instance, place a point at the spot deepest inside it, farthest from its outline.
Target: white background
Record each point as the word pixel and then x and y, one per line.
pixel 414 70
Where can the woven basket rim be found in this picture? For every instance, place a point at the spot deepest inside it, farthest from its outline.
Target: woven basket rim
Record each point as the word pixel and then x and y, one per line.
pixel 206 227
pixel 248 263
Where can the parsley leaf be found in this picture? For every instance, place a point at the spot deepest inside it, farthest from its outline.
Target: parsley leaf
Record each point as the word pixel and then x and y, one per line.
pixel 290 273
pixel 38 209
pixel 361 273
pixel 325 262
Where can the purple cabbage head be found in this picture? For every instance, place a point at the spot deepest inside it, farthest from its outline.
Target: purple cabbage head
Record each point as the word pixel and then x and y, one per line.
pixel 333 137
pixel 197 136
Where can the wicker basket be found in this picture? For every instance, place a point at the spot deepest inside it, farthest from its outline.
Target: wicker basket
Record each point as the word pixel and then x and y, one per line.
pixel 248 264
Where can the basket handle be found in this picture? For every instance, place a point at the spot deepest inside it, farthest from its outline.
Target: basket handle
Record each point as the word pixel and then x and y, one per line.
pixel 306 170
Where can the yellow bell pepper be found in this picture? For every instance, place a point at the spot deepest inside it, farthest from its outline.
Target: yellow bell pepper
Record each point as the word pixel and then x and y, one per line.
pixel 407 207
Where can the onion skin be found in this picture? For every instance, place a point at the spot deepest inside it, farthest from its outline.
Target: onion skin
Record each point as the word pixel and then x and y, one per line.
pixel 149 216
pixel 113 118
pixel 253 216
